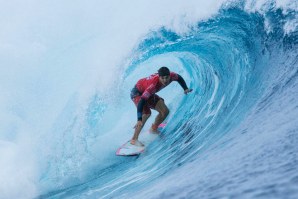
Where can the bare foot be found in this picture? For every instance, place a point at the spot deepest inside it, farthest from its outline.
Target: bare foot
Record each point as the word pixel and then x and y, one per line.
pixel 136 143
pixel 154 128
pixel 154 131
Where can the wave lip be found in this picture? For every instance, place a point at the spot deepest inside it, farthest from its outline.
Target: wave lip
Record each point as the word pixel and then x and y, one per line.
pixel 235 131
pixel 209 146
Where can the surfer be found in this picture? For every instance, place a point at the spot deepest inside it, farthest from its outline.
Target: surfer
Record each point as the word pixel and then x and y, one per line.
pixel 144 97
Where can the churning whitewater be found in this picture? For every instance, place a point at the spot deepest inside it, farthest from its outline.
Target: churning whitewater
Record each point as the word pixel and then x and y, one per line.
pixel 66 79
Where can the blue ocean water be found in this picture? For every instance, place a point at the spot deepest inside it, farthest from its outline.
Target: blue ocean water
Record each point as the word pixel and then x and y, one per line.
pixel 234 136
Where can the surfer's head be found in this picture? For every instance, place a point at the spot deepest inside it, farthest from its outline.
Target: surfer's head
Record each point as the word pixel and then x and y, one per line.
pixel 163 71
pixel 164 75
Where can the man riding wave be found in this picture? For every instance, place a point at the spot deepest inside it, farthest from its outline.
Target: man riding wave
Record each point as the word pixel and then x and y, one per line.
pixel 144 97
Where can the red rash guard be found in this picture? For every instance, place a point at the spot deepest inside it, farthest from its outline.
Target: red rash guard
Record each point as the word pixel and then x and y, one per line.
pixel 150 85
pixel 146 87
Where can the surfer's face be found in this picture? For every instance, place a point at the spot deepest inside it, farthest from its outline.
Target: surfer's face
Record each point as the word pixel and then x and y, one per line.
pixel 164 80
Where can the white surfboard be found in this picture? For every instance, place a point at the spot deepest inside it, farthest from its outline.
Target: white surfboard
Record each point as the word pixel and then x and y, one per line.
pixel 146 138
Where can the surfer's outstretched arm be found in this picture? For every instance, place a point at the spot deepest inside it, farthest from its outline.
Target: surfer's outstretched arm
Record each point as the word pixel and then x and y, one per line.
pixel 183 85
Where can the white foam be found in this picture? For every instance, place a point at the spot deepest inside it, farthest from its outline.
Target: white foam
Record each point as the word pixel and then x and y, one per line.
pixel 287 6
pixel 51 50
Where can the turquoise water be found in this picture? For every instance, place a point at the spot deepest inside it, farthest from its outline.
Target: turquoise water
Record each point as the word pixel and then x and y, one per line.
pixel 234 136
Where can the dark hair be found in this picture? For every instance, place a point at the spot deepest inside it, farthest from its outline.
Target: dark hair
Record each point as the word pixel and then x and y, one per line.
pixel 163 71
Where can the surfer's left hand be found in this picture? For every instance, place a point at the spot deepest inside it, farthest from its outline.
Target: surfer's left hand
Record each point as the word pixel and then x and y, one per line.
pixel 187 91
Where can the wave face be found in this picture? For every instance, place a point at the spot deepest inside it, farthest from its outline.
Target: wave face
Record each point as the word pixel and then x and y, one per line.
pixel 235 135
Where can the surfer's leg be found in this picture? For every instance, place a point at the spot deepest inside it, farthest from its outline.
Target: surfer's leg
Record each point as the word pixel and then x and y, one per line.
pixel 134 139
pixel 145 118
pixel 163 112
